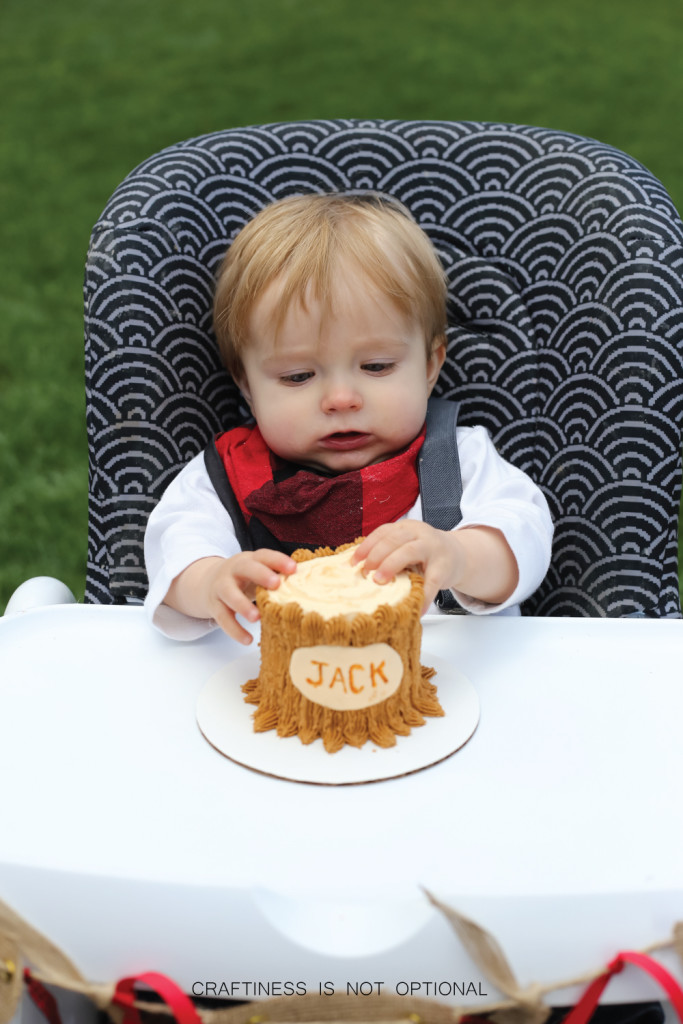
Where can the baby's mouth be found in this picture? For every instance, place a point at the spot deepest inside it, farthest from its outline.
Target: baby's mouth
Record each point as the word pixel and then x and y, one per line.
pixel 345 440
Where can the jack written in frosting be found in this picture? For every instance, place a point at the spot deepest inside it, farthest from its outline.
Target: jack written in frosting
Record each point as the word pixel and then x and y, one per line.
pixel 346 678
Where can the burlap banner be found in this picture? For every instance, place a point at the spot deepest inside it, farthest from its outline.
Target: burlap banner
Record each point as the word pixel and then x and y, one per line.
pixel 27 954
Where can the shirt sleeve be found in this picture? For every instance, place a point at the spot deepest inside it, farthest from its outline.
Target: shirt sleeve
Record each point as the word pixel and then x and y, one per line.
pixel 499 495
pixel 188 523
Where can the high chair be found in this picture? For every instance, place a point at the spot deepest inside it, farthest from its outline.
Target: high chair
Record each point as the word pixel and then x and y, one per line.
pixel 564 261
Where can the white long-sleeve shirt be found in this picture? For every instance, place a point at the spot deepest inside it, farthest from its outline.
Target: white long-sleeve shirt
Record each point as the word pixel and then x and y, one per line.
pixel 190 523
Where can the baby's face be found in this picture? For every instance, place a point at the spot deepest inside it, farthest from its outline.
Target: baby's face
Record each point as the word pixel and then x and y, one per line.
pixel 339 391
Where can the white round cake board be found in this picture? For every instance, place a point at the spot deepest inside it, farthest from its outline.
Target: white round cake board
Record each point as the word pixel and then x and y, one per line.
pixel 226 721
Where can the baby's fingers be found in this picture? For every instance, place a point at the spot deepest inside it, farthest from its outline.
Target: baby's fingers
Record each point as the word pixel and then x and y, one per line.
pixel 393 562
pixel 225 617
pixel 234 595
pixel 262 568
pixel 274 564
pixel 378 548
pixel 375 546
pixel 277 560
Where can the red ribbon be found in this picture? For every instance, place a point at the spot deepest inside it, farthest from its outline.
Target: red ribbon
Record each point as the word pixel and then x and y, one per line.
pixel 177 1001
pixel 585 1008
pixel 42 998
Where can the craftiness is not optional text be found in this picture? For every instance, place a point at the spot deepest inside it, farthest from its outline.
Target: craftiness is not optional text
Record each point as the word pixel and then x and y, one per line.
pixel 269 989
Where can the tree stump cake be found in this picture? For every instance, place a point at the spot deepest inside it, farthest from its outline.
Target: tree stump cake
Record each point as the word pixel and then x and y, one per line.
pixel 340 655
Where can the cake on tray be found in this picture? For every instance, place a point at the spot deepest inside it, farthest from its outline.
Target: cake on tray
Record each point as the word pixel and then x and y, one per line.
pixel 340 655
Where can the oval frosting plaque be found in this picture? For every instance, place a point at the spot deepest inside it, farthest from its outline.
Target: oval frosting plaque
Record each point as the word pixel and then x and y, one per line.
pixel 346 678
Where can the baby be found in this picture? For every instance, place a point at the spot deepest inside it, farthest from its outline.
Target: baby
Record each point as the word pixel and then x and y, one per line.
pixel 330 314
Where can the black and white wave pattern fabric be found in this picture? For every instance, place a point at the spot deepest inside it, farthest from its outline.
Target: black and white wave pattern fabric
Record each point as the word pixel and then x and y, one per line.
pixel 564 258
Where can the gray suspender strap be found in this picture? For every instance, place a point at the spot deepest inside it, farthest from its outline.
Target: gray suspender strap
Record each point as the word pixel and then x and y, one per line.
pixel 438 470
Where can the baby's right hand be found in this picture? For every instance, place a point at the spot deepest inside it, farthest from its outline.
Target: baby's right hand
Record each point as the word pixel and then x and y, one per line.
pixel 222 588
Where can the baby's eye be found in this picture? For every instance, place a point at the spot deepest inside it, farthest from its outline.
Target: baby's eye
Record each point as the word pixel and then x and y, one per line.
pixel 292 379
pixel 378 368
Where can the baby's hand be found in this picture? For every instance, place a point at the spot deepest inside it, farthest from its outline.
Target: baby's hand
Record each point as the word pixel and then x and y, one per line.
pixel 222 588
pixel 410 543
pixel 475 560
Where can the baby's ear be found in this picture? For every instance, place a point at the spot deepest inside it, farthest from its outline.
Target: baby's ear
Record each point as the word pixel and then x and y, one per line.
pixel 243 385
pixel 436 359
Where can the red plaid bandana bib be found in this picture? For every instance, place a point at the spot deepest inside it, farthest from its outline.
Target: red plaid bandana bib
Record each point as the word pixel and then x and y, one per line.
pixel 303 508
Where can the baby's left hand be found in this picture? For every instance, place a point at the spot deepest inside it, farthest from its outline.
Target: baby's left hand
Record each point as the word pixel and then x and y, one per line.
pixel 475 560
pixel 409 543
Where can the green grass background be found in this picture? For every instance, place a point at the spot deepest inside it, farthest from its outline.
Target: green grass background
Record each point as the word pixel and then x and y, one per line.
pixel 90 88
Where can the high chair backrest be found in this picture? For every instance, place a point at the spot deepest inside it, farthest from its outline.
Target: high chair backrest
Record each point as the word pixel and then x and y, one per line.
pixel 564 260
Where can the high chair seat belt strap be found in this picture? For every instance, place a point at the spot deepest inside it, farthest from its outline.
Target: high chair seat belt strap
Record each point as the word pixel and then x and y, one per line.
pixel 438 466
pixel 221 485
pixel 438 470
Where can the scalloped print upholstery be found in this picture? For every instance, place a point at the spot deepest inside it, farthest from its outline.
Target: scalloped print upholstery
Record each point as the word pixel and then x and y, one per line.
pixel 564 261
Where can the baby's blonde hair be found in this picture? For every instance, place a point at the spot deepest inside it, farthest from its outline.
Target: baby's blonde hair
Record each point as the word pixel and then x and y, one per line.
pixel 301 240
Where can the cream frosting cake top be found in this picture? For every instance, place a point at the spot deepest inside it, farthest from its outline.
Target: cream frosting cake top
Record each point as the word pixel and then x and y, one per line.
pixel 331 586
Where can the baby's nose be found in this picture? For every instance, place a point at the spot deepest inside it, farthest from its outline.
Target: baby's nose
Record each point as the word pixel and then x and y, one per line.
pixel 341 396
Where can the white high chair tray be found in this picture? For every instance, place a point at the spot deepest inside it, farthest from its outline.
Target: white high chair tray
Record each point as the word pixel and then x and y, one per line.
pixel 131 843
